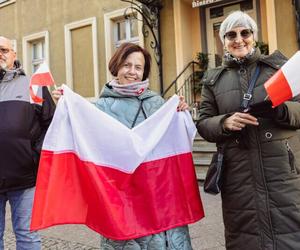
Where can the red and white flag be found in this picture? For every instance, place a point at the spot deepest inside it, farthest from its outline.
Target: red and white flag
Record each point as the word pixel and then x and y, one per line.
pixel 122 183
pixel 285 83
pixel 42 77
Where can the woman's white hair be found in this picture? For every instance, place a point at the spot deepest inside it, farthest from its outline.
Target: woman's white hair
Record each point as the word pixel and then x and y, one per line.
pixel 237 19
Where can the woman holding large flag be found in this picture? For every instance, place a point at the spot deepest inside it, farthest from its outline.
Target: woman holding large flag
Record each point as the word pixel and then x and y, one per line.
pixel 128 99
pixel 261 178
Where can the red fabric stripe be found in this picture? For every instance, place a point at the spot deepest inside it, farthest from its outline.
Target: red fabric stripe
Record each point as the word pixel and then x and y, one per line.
pixel 42 79
pixel 159 195
pixel 34 97
pixel 278 88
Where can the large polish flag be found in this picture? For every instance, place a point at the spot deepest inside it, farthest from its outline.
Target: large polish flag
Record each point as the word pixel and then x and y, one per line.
pixel 285 83
pixel 122 183
pixel 42 77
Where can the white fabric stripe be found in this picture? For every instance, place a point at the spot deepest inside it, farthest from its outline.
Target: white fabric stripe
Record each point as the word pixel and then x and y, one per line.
pixel 80 127
pixel 43 68
pixel 291 72
pixel 35 89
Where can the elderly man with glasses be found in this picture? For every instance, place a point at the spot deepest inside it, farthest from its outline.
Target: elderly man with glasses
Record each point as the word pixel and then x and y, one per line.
pixel 22 129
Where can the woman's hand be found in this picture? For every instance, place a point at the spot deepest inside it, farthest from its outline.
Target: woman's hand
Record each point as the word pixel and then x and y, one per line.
pixel 56 94
pixel 182 106
pixel 238 121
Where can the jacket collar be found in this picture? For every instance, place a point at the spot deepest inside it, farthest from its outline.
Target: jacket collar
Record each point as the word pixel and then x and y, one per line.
pixel 8 75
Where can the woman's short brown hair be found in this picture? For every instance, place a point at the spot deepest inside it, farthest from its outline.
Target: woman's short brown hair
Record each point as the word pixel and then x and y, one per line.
pixel 123 52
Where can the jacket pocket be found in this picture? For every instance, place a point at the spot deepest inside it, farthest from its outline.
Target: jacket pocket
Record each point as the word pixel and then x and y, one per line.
pixel 291 157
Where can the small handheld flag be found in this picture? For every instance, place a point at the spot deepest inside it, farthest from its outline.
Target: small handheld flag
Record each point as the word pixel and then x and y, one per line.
pixel 285 83
pixel 42 77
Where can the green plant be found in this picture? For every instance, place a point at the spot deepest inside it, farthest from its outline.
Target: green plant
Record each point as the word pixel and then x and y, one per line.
pixel 263 47
pixel 197 81
pixel 202 59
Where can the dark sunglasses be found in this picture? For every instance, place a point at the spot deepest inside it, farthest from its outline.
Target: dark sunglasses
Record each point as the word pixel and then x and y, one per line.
pixel 231 35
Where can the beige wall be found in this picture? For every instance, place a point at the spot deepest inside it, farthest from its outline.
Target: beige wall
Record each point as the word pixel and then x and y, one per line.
pixel 168 42
pixel 52 15
pixel 281 26
pixel 32 16
pixel 286 27
pixel 180 40
pixel 186 38
pixel 196 34
pixel 263 17
pixel 187 33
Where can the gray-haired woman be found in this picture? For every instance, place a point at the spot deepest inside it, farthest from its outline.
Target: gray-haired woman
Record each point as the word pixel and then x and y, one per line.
pixel 261 181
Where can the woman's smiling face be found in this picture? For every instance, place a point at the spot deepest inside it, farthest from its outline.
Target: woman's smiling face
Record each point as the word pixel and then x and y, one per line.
pixel 132 69
pixel 239 42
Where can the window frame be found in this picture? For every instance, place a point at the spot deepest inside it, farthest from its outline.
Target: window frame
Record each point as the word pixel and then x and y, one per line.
pixel 128 37
pixel 110 19
pixel 27 49
pixel 38 60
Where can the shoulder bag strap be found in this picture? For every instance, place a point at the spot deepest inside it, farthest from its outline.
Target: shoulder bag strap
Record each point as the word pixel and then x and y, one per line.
pixel 246 100
pixel 248 96
pixel 137 114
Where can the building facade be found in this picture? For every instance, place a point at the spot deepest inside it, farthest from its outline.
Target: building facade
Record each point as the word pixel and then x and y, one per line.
pixel 77 37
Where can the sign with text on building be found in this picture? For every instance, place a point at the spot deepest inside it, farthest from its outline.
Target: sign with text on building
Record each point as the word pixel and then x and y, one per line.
pixel 197 3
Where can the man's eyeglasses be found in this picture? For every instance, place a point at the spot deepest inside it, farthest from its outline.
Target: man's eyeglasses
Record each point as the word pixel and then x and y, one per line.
pixel 4 50
pixel 232 35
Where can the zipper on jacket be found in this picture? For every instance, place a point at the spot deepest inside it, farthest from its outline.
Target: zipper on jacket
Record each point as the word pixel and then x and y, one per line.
pixel 263 242
pixel 291 158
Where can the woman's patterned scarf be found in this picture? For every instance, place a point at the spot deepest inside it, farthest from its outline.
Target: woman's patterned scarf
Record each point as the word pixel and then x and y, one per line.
pixel 132 89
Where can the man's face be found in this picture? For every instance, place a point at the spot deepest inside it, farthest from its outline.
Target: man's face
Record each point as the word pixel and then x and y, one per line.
pixel 7 54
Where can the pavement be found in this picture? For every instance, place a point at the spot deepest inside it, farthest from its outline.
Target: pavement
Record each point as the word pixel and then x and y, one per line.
pixel 207 234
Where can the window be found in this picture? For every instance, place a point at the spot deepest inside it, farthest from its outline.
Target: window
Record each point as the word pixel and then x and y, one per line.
pixel 35 51
pixel 126 30
pixel 216 12
pixel 118 30
pixel 38 54
pixel 247 5
pixel 219 11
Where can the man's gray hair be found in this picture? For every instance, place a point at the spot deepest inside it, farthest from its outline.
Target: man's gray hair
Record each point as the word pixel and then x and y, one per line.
pixel 9 42
pixel 237 19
